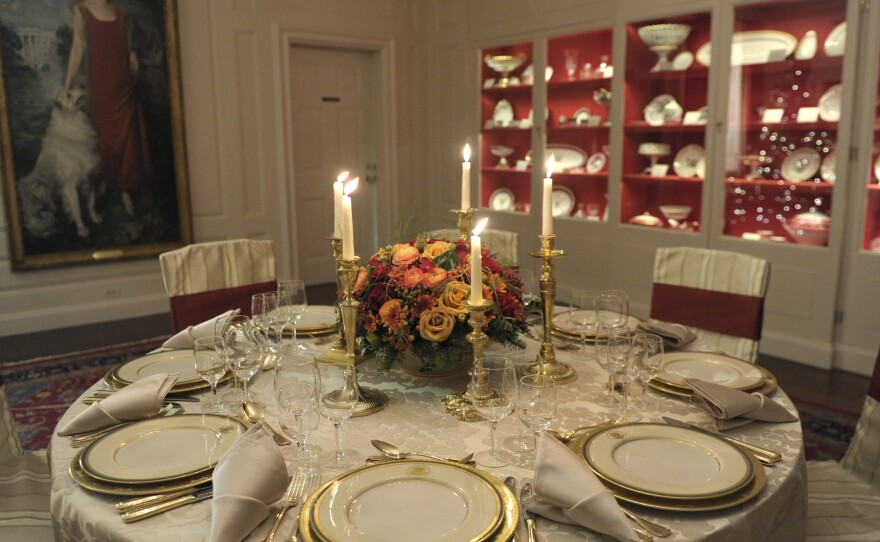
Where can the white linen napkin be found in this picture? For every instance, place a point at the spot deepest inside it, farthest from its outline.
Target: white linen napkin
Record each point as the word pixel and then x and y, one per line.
pixel 567 491
pixel 731 408
pixel 674 335
pixel 186 338
pixel 251 475
pixel 139 400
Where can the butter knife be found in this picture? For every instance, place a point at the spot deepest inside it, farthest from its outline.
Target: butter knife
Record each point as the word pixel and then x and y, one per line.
pixel 142 502
pixel 524 493
pixel 150 511
pixel 759 451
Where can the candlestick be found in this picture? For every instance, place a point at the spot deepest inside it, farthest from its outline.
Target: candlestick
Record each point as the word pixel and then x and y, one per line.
pixel 547 202
pixel 477 264
pixel 466 178
pixel 460 405
pixel 337 351
pixel 463 220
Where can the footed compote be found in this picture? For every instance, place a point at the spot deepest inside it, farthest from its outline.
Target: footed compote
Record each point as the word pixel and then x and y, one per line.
pixel 663 39
pixel 504 64
pixel 654 152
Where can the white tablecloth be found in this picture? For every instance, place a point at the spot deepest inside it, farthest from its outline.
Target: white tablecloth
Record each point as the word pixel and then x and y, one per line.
pixel 415 420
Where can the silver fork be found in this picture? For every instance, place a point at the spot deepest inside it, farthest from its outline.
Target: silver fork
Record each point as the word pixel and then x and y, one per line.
pixel 310 486
pixel 295 494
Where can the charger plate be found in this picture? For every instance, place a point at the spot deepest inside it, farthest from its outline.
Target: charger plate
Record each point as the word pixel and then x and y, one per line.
pixel 168 361
pixel 669 462
pixel 161 450
pixel 715 368
pixel 769 386
pixel 317 320
pixel 98 486
pixel 562 325
pixel 408 500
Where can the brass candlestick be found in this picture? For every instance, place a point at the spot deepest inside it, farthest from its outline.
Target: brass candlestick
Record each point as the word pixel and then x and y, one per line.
pixel 465 216
pixel 337 352
pixel 370 400
pixel 561 373
pixel 460 405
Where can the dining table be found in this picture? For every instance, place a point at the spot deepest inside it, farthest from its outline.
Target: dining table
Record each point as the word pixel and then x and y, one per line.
pixel 415 420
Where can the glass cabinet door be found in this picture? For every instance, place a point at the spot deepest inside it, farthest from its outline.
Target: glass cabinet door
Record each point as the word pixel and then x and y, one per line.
pixel 505 137
pixel 871 231
pixel 578 100
pixel 665 113
pixel 783 110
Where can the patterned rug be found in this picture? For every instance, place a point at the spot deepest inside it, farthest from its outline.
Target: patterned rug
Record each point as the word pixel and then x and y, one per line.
pixel 827 430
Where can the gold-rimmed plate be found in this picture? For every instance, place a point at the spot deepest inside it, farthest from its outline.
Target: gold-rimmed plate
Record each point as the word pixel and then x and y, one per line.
pixel 98 486
pixel 317 320
pixel 161 450
pixel 715 368
pixel 563 326
pixel 410 500
pixel 168 361
pixel 769 386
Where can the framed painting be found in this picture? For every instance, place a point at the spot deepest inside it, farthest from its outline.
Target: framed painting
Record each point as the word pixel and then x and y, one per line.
pixel 92 133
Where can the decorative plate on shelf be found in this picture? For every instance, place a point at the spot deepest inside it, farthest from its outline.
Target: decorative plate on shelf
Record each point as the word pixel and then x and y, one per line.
pixel 502 200
pixel 686 160
pixel 800 165
pixel 700 168
pixel 528 73
pixel 835 43
pixel 582 116
pixel 566 157
pixel 596 162
pixel 662 109
pixel 682 61
pixel 562 201
pixel 828 170
pixel 829 104
pixel 753 47
pixel 503 114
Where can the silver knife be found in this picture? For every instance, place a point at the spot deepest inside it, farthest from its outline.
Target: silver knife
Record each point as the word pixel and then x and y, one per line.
pixel 525 492
pixel 510 482
pixel 151 511
pixel 759 451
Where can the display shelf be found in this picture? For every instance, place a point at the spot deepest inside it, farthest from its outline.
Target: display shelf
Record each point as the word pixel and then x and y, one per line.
pixel 757 126
pixel 834 63
pixel 640 126
pixel 696 182
pixel 578 84
pixel 815 187
pixel 694 72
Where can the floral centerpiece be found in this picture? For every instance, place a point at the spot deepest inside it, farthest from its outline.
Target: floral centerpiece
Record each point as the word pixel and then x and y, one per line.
pixel 413 299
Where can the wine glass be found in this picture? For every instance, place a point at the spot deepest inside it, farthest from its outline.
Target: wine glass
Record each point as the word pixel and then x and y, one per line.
pixel 211 366
pixel 650 365
pixel 613 308
pixel 493 391
pixel 582 311
pixel 536 405
pixel 518 443
pixel 603 336
pixel 261 306
pixel 571 62
pixel 296 386
pixel 291 300
pixel 242 351
pixel 337 402
pixel 231 401
pixel 625 354
pixel 295 367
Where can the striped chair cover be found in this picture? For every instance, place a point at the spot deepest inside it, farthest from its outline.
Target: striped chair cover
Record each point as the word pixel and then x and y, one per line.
pixel 843 499
pixel 24 486
pixel 503 244
pixel 719 295
pixel 205 279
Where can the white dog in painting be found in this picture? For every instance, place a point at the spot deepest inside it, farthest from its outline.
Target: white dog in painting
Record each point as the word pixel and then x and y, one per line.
pixel 66 166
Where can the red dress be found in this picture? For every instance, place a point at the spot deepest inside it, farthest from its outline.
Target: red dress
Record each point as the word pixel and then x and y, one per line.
pixel 118 117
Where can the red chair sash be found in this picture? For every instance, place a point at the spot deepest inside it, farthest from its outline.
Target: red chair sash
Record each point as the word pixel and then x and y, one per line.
pixel 191 309
pixel 731 314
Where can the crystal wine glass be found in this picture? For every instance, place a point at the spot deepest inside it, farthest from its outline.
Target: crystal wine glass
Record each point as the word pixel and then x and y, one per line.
pixel 231 401
pixel 522 360
pixel 625 353
pixel 295 367
pixel 571 62
pixel 261 306
pixel 337 403
pixel 493 391
pixel 242 351
pixel 613 308
pixel 291 300
pixel 536 406
pixel 582 312
pixel 650 365
pixel 211 366
pixel 603 335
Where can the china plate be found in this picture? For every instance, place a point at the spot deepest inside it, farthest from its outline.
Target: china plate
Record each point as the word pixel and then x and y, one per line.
pixel 562 201
pixel 769 386
pixel 800 165
pixel 662 109
pixel 87 482
pixel 715 368
pixel 503 114
pixel 316 319
pixel 581 116
pixel 502 200
pixel 686 160
pixel 666 461
pixel 562 324
pixel 408 500
pixel 596 162
pixel 565 157
pixel 828 170
pixel 835 43
pixel 700 168
pixel 682 61
pixel 161 450
pixel 753 47
pixel 829 104
pixel 169 361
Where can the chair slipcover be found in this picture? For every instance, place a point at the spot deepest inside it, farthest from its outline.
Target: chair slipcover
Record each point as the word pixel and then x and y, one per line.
pixel 205 279
pixel 24 486
pixel 503 244
pixel 843 499
pixel 719 295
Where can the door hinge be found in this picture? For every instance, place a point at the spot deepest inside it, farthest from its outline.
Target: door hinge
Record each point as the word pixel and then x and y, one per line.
pixel 853 153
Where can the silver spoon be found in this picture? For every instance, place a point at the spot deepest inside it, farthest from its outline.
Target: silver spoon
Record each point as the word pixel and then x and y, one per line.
pixel 253 414
pixel 392 451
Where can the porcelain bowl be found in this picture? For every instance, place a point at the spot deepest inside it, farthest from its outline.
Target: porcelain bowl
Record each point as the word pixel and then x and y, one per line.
pixel 809 228
pixel 647 219
pixel 655 149
pixel 676 212
pixel 504 63
pixel 664 35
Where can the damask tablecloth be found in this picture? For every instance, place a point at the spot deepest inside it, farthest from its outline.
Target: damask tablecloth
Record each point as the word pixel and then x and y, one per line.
pixel 415 420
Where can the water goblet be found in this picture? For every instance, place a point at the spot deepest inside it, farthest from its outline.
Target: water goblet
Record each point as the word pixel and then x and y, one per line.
pixel 291 299
pixel 231 401
pixel 603 337
pixel 211 366
pixel 493 391
pixel 650 365
pixel 296 367
pixel 337 403
pixel 613 308
pixel 536 406
pixel 261 306
pixel 298 417
pixel 242 351
pixel 582 313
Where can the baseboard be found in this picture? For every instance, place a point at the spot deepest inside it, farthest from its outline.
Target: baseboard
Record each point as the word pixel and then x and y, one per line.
pixel 33 321
pixel 798 349
pixel 854 359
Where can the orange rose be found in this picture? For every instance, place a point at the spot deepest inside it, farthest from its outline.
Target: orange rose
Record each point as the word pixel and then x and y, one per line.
pixel 455 296
pixel 436 324
pixel 433 277
pixel 361 281
pixel 393 315
pixel 404 254
pixel 436 248
pixel 413 277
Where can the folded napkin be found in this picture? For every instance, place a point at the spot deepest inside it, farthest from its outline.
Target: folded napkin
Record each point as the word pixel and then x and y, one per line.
pixel 186 338
pixel 674 335
pixel 137 401
pixel 567 491
pixel 251 475
pixel 731 408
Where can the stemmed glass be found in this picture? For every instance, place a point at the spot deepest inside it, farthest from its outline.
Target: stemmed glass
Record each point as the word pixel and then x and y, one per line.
pixel 337 405
pixel 571 62
pixel 291 300
pixel 582 312
pixel 531 299
pixel 296 384
pixel 650 365
pixel 261 306
pixel 242 350
pixel 497 377
pixel 603 337
pixel 536 405
pixel 625 354
pixel 521 361
pixel 613 308
pixel 231 402
pixel 210 365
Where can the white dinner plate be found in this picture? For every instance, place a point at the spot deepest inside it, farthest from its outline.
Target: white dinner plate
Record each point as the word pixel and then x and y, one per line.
pixel 686 160
pixel 829 104
pixel 562 322
pixel 662 109
pixel 714 368
pixel 682 61
pixel 828 170
pixel 562 201
pixel 317 318
pixel 668 461
pixel 596 162
pixel 169 361
pixel 565 157
pixel 753 47
pixel 800 165
pixel 503 114
pixel 835 43
pixel 161 449
pixel 402 501
pixel 502 200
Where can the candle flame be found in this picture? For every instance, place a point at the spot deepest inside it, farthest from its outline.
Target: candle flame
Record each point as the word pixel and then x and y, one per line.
pixel 350 186
pixel 480 225
pixel 550 163
pixel 467 152
pixel 342 176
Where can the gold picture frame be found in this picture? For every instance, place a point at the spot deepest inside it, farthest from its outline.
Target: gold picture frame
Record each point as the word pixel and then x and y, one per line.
pixel 55 167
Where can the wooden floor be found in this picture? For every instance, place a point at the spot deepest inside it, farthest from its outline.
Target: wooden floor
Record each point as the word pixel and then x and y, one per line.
pixel 843 390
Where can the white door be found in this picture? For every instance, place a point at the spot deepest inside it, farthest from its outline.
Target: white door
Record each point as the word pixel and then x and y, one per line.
pixel 333 115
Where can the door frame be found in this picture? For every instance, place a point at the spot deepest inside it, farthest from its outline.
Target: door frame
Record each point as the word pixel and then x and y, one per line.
pixel 285 39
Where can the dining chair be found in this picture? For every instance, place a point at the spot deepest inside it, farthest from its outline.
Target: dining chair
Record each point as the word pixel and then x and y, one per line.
pixel 719 295
pixel 502 243
pixel 25 484
pixel 843 498
pixel 205 279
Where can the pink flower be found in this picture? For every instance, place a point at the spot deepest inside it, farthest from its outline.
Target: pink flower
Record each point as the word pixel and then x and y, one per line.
pixel 405 255
pixel 413 277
